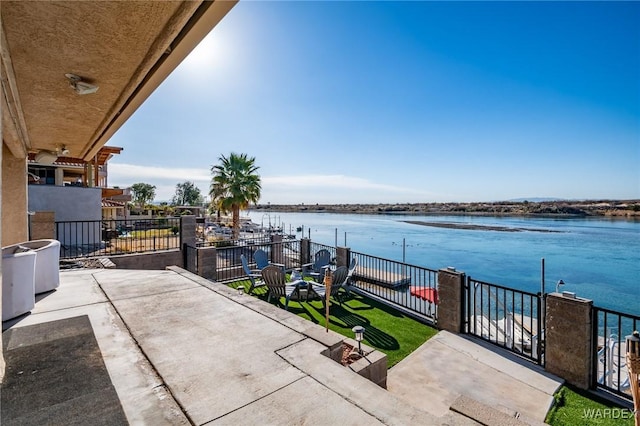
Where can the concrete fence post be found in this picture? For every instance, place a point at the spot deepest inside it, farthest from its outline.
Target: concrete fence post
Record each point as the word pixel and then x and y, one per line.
pixel 343 256
pixel 305 251
pixel 277 255
pixel 451 296
pixel 188 231
pixel 568 349
pixel 188 239
pixel 207 262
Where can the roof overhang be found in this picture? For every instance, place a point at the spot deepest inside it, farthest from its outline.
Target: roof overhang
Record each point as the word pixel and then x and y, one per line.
pixel 126 48
pixel 101 158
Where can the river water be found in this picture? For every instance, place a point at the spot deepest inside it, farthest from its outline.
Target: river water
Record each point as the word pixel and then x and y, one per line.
pixel 597 259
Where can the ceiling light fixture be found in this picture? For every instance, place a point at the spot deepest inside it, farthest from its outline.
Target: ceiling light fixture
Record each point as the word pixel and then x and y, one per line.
pixel 81 87
pixel 63 150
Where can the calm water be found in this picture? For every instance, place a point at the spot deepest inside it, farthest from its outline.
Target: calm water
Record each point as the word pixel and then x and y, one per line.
pixel 597 258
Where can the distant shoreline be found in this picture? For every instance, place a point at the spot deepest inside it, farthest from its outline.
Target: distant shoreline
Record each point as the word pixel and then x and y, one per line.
pixel 615 209
pixel 475 227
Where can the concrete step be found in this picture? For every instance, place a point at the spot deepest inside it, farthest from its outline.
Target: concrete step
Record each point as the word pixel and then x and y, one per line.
pixel 486 415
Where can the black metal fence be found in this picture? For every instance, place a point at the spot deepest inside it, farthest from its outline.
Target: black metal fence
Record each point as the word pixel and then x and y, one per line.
pixel 316 247
pixel 609 363
pixel 410 287
pixel 229 263
pixel 94 238
pixel 243 241
pixel 190 258
pixel 506 317
pixel 407 287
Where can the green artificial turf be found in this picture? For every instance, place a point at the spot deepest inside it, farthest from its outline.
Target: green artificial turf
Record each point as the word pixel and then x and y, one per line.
pixel 397 335
pixel 386 329
pixel 573 406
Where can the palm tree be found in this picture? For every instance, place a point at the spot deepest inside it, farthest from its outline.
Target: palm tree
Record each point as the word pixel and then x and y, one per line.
pixel 235 185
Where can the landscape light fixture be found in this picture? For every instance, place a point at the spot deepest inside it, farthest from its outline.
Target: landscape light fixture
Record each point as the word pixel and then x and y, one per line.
pixel 240 290
pixel 81 87
pixel 359 331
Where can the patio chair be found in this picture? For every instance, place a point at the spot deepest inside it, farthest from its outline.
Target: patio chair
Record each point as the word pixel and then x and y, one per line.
pixel 316 270
pixel 349 281
pixel 275 280
pixel 262 260
pixel 352 268
pixel 339 279
pixel 252 276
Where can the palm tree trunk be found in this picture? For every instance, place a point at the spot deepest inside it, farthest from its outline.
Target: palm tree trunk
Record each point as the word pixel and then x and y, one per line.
pixel 236 221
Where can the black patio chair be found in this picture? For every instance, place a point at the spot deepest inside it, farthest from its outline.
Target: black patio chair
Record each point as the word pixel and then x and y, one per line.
pixel 276 281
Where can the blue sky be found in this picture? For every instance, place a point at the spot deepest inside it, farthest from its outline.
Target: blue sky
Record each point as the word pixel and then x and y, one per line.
pixel 391 102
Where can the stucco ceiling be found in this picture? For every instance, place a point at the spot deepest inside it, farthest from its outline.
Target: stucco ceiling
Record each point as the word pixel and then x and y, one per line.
pixel 126 48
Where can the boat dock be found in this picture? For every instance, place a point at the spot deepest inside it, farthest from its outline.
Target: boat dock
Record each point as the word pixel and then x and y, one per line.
pixel 381 277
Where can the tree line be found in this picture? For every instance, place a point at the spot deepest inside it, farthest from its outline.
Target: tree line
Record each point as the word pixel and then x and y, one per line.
pixel 235 184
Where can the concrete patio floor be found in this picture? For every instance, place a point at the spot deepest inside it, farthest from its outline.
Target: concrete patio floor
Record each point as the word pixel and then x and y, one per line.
pixel 182 350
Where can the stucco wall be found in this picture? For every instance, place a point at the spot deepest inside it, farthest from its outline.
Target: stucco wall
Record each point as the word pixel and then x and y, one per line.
pixel 14 198
pixel 157 260
pixel 68 202
pixel 71 203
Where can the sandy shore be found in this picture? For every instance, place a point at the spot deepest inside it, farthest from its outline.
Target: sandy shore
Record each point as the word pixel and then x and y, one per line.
pixel 475 227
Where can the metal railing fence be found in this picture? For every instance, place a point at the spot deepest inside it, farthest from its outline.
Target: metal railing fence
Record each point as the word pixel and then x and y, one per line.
pixel 609 351
pixel 208 241
pixel 95 238
pixel 316 247
pixel 229 263
pixel 190 258
pixel 396 283
pixel 505 317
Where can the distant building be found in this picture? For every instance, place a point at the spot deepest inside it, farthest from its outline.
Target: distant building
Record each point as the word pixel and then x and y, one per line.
pixel 76 189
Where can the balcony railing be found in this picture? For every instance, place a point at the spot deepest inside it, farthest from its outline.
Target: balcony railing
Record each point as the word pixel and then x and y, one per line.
pixel 505 317
pixel 609 365
pixel 228 256
pixel 94 238
pixel 399 284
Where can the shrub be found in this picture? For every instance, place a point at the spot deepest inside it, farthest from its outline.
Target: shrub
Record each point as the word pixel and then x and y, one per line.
pixel 224 243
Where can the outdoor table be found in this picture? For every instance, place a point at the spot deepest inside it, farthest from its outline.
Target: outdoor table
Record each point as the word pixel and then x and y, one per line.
pixel 300 284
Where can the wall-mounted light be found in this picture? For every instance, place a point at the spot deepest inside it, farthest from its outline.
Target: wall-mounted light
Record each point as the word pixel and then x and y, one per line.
pixel 63 150
pixel 81 87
